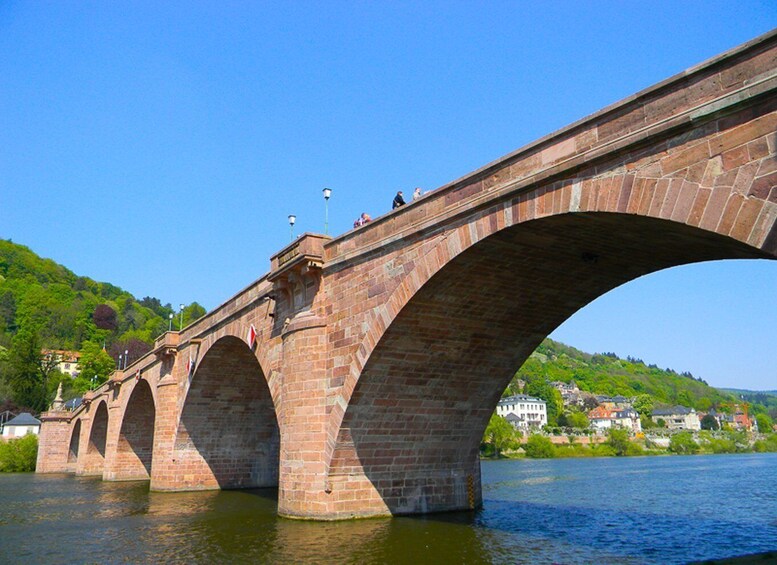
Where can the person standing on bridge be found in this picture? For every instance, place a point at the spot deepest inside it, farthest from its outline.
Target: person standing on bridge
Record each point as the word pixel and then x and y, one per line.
pixel 417 193
pixel 398 201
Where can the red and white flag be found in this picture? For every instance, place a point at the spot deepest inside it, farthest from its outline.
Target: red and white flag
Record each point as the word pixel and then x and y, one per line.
pixel 251 336
pixel 137 375
pixel 190 365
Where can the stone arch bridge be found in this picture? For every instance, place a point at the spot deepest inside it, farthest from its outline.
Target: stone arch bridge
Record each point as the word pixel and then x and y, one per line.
pixel 379 355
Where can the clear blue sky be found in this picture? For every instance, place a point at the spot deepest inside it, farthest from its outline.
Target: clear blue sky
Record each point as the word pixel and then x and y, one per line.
pixel 160 146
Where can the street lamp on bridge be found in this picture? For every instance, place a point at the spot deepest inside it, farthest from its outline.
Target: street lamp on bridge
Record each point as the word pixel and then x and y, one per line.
pixel 292 221
pixel 327 194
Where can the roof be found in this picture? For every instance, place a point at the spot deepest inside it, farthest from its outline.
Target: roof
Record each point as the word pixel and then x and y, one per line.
pixel 672 411
pixel 519 398
pixel 74 403
pixel 512 417
pixel 23 419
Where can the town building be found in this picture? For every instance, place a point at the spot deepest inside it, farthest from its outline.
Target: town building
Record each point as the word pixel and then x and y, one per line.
pixel 523 412
pixel 570 393
pixel 603 418
pixel 66 361
pixel 20 426
pixel 677 418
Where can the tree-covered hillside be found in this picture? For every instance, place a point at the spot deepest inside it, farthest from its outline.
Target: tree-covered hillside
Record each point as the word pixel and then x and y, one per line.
pixel 44 305
pixel 607 374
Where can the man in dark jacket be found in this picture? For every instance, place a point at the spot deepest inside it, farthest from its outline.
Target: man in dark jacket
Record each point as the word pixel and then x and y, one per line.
pixel 398 200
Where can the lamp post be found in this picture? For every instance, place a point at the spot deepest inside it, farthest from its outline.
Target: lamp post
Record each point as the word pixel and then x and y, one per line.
pixel 126 356
pixel 180 326
pixel 121 357
pixel 94 381
pixel 327 194
pixel 292 221
pixel 170 327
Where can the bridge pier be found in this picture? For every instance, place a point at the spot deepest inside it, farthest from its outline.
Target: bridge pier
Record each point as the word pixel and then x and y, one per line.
pixel 54 443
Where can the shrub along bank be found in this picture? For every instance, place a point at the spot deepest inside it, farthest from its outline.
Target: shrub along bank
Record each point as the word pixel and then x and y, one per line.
pixel 19 455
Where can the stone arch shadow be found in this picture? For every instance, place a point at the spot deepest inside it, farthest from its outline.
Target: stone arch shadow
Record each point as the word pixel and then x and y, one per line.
pixel 135 444
pixel 228 435
pixel 94 453
pixel 73 448
pixel 427 389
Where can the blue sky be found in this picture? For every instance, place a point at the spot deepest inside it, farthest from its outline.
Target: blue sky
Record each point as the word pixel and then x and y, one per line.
pixel 160 146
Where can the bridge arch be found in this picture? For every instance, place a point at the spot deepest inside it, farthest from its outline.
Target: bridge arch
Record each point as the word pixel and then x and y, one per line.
pixel 73 448
pixel 135 443
pixel 482 295
pixel 228 434
pixel 94 454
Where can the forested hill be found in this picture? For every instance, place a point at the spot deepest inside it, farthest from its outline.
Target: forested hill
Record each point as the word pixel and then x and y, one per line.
pixel 608 374
pixel 44 305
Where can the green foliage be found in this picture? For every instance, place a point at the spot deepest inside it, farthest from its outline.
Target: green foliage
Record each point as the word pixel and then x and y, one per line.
pixel 499 435
pixel 94 362
pixel 608 374
pixel 644 404
pixel 539 447
pixel 764 422
pixel 19 455
pixel 618 440
pixel 766 445
pixel 709 422
pixel 65 311
pixel 577 420
pixel 682 443
pixel 27 373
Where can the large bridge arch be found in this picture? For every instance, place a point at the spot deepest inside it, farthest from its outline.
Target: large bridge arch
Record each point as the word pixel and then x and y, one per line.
pixel 702 195
pixel 228 435
pixel 418 410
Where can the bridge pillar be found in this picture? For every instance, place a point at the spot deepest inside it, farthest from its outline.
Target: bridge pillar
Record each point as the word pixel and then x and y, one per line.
pixel 165 471
pixel 53 442
pixel 302 419
pixel 112 441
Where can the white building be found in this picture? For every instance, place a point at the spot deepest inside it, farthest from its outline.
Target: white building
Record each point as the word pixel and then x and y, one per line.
pixel 677 418
pixel 527 412
pixel 20 426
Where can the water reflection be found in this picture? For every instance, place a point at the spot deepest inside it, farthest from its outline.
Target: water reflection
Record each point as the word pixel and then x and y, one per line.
pixel 648 510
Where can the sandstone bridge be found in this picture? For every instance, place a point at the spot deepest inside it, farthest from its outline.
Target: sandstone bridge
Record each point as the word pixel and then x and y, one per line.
pixel 379 355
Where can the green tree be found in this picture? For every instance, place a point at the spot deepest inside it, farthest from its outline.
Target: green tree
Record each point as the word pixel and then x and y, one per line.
pixel 27 371
pixel 94 362
pixel 499 434
pixel 709 422
pixel 577 420
pixel 764 422
pixel 19 455
pixel 539 447
pixel 682 443
pixel 618 440
pixel 644 404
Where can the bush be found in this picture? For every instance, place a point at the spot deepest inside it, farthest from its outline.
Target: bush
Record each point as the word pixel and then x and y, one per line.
pixel 19 455
pixel 539 447
pixel 767 445
pixel 683 444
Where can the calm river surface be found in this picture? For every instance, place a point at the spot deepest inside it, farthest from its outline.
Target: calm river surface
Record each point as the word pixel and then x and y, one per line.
pixel 610 510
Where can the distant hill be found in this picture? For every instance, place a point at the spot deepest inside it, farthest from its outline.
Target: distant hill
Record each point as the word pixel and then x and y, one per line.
pixel 744 391
pixel 608 374
pixel 67 310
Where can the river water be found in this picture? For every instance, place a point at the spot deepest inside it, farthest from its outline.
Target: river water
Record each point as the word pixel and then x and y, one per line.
pixel 609 510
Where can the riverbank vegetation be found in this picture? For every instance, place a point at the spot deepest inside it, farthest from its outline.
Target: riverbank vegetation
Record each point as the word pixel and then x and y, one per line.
pixel 19 455
pixel 618 443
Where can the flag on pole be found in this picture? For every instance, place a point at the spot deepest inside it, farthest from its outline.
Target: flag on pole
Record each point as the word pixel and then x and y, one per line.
pixel 190 365
pixel 251 336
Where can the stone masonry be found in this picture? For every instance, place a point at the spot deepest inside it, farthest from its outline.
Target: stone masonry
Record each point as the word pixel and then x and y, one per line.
pixel 379 355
